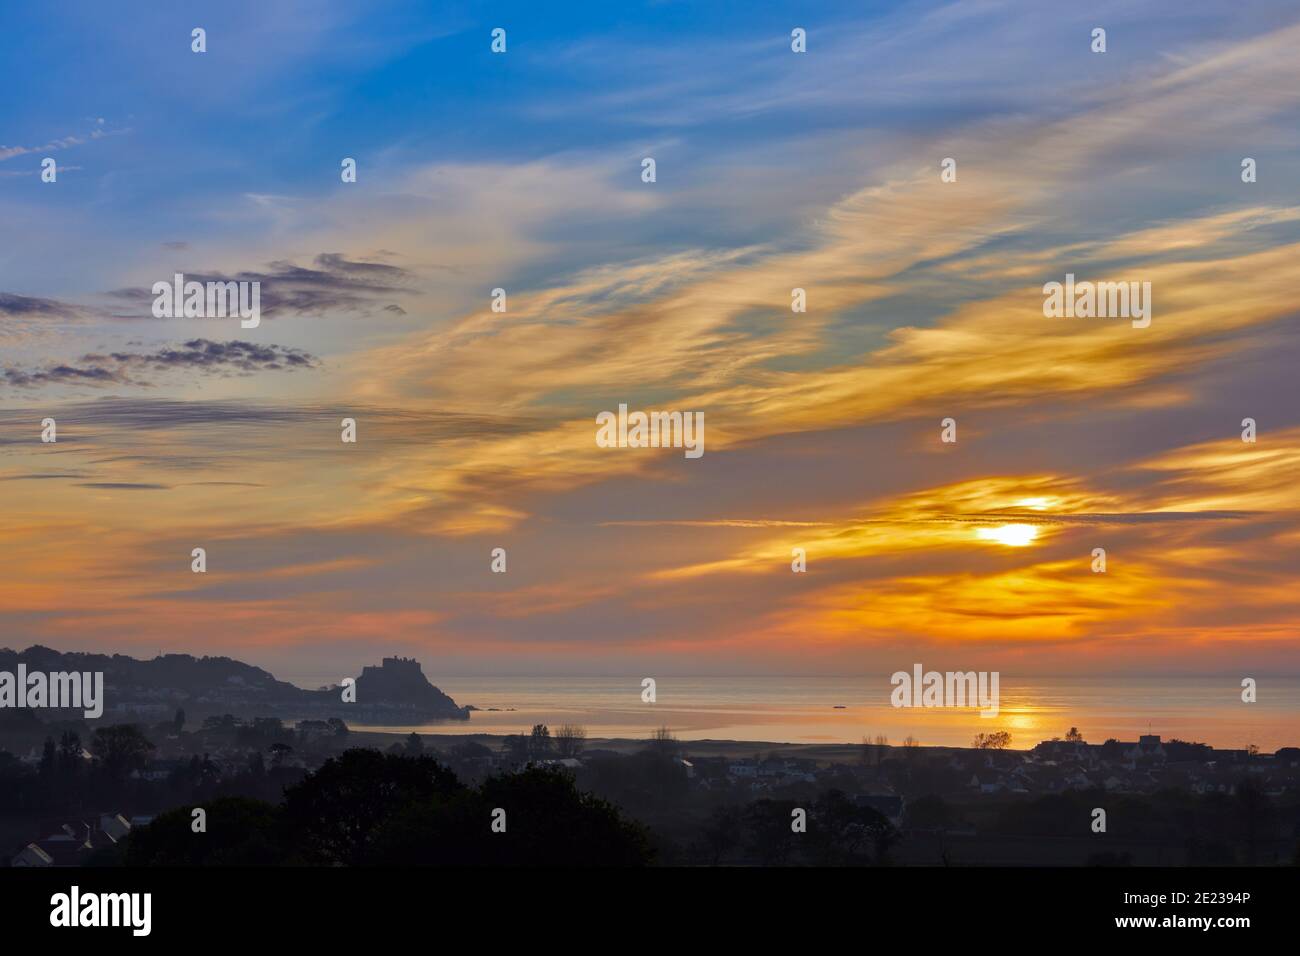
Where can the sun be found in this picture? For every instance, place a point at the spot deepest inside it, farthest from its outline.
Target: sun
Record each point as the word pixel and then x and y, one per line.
pixel 1012 535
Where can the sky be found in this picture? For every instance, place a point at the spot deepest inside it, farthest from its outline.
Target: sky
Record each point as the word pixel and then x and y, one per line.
pixel 774 170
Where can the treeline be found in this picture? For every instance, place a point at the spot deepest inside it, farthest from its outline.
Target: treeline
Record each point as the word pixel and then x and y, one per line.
pixel 831 830
pixel 65 782
pixel 367 808
pixel 1212 829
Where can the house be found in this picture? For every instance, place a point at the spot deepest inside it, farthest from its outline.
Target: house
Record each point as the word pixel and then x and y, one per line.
pixel 68 847
pixel 70 843
pixel 32 855
pixel 1075 777
pixel 1023 780
pixel 1062 750
pixel 115 826
pixel 986 781
pixel 1147 748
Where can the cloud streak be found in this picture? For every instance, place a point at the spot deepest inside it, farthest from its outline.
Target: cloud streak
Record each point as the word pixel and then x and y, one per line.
pixel 138 369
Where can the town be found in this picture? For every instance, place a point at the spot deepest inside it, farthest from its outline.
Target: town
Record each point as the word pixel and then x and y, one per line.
pixel 74 801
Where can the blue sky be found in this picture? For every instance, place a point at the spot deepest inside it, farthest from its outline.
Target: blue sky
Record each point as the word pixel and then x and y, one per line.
pixel 285 89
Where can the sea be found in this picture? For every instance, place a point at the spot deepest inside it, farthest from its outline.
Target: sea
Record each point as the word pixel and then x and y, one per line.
pixel 839 709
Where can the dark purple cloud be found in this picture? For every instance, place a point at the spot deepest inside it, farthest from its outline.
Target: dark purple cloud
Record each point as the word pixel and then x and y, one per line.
pixel 333 284
pixel 138 368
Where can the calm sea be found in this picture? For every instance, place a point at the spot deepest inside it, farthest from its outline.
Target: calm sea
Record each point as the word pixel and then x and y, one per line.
pixel 808 709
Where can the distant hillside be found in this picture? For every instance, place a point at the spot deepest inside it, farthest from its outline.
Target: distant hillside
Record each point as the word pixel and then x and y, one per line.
pixel 395 691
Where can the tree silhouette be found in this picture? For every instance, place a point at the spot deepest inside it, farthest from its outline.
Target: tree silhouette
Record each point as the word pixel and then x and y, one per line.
pixel 240 832
pixel 770 836
pixel 279 753
pixel 844 832
pixel 539 743
pixel 664 743
pixel 333 813
pixel 121 749
pixel 722 833
pixel 549 822
pixel 570 740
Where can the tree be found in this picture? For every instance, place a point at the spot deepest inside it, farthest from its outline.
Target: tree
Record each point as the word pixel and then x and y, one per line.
pixel 549 822
pixel 414 745
pixel 10 766
pixel 178 722
pixel 69 762
pixel 69 749
pixel 47 772
pixel 122 749
pixel 843 832
pixel 770 837
pixel 570 740
pixel 516 747
pixel 241 832
pixel 1112 749
pixel 998 740
pixel 1255 812
pixel 334 812
pixel 48 758
pixel 930 812
pixel 1074 736
pixel 469 750
pixel 539 743
pixel 722 832
pixel 279 753
pixel 208 772
pixel 664 743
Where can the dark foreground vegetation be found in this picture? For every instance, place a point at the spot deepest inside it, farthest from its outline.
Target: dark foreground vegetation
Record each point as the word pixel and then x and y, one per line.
pixel 366 808
pixel 309 795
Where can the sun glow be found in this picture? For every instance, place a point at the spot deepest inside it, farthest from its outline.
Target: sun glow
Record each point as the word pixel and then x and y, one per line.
pixel 1034 504
pixel 1012 535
